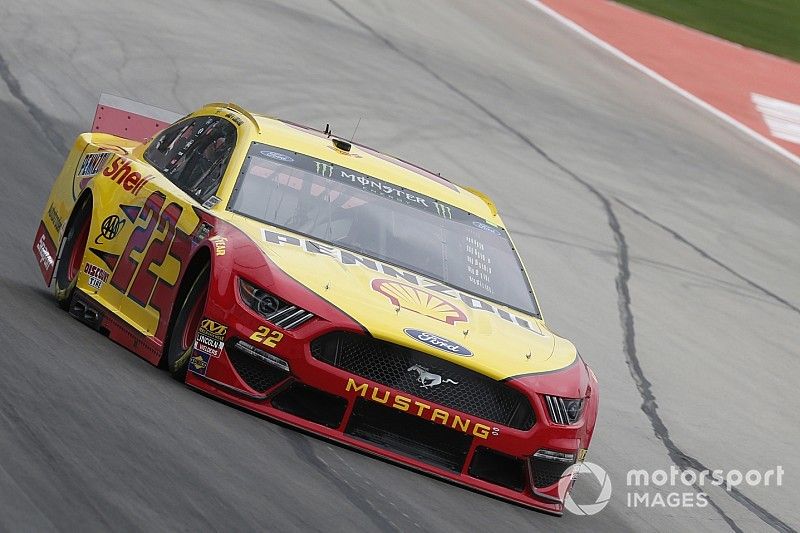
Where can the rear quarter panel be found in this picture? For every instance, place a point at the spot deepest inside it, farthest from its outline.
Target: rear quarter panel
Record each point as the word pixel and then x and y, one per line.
pixel 140 242
pixel 88 154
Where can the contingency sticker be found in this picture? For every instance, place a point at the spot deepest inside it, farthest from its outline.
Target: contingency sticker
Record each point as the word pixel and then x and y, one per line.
pixel 210 337
pixel 199 363
pixel 97 276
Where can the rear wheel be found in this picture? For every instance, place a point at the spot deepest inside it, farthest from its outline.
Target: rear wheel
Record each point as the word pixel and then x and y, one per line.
pixel 73 246
pixel 187 322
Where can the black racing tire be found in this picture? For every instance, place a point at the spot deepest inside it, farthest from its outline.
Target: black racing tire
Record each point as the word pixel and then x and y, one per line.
pixel 184 329
pixel 73 247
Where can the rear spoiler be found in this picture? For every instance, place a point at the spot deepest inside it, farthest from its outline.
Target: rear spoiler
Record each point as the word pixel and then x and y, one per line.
pixel 129 119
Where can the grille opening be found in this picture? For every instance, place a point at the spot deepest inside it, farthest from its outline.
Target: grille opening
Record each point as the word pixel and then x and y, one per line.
pixel 545 473
pixel 258 375
pixel 390 364
pixel 498 468
pixel 409 435
pixel 312 404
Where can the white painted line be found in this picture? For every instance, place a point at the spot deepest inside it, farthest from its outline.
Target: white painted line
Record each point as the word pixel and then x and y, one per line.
pixel 782 118
pixel 664 81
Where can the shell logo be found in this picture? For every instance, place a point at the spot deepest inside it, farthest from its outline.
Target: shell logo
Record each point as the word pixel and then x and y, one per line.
pixel 419 301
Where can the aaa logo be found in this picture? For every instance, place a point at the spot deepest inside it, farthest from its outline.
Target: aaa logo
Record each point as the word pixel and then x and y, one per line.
pixel 110 228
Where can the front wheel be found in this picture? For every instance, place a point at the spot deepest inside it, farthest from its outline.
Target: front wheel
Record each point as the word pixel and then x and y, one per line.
pixel 73 247
pixel 187 322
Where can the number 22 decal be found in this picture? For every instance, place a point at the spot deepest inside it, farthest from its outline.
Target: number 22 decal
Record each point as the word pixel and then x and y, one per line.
pixel 266 336
pixel 164 220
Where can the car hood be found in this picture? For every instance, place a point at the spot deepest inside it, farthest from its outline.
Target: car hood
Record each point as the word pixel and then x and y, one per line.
pixel 399 306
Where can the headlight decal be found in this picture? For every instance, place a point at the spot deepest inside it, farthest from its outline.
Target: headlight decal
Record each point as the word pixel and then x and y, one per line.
pixel 273 309
pixel 564 411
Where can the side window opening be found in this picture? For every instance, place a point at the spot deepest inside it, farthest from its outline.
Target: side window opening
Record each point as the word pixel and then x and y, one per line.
pixel 194 154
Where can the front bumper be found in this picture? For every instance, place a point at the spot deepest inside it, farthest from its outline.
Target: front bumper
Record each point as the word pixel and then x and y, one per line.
pixel 393 424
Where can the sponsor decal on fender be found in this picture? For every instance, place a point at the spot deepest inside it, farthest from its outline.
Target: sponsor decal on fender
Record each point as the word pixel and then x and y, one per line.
pixel 87 168
pixel 45 258
pixel 422 410
pixel 110 228
pixel 97 276
pixel 438 342
pixel 349 258
pixel 418 300
pixel 91 164
pixel 213 328
pixel 210 337
pixel 45 252
pixel 208 345
pixel 55 218
pixel 120 172
pixel 220 244
pixel 199 363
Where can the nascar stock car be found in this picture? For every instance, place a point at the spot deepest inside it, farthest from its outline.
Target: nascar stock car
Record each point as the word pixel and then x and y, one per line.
pixel 323 284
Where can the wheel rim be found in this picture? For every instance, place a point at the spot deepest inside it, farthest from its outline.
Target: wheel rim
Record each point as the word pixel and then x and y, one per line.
pixel 78 249
pixel 193 321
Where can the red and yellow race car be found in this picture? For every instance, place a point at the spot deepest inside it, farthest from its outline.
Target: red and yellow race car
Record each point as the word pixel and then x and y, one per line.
pixel 321 283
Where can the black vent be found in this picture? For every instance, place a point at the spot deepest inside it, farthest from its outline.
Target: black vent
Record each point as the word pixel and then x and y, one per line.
pixel 391 365
pixel 311 404
pixel 498 468
pixel 546 472
pixel 410 435
pixel 258 375
pixel 290 317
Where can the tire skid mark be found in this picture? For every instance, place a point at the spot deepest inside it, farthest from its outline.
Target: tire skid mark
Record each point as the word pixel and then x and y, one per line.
pixel 649 405
pixel 705 255
pixel 35 111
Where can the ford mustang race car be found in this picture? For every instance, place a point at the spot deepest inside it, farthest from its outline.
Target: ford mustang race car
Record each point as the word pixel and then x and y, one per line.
pixel 323 284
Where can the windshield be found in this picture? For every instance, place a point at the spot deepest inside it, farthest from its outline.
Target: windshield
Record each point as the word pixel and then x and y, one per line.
pixel 384 221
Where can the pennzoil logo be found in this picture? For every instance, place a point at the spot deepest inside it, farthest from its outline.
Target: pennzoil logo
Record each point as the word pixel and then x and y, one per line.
pixel 418 300
pixel 422 410
pixel 87 168
pixel 91 164
pixel 348 259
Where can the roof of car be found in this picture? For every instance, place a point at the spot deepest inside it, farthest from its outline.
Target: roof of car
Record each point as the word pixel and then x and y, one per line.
pixel 371 162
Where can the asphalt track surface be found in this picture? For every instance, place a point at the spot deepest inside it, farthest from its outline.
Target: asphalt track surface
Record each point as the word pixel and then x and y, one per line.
pixel 662 241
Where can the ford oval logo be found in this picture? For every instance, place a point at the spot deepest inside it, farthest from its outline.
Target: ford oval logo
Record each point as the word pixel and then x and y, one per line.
pixel 277 155
pixel 438 342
